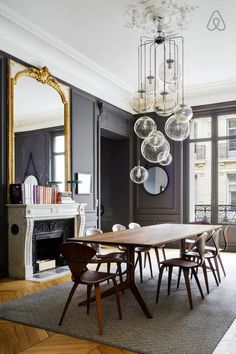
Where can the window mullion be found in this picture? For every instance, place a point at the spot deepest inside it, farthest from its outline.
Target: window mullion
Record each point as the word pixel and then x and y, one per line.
pixel 214 171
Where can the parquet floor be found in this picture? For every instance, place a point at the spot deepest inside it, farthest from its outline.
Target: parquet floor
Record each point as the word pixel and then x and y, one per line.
pixel 20 339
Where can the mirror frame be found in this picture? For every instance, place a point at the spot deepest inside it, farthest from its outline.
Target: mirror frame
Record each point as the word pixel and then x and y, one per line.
pixel 44 76
pixel 155 194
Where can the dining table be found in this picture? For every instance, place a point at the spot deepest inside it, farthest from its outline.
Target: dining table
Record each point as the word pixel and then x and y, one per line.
pixel 146 236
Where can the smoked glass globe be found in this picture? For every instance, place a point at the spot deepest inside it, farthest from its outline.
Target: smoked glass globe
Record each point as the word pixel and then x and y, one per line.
pixel 183 113
pixel 141 102
pixel 169 71
pixel 176 130
pixel 167 161
pixel 155 138
pixel 138 174
pixel 153 153
pixel 164 104
pixel 144 126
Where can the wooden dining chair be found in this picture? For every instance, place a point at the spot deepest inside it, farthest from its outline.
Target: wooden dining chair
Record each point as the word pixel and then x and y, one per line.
pixel 139 251
pixel 115 257
pixel 186 265
pixel 77 256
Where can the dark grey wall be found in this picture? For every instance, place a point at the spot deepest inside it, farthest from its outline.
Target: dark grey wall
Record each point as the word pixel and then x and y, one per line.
pixel 167 206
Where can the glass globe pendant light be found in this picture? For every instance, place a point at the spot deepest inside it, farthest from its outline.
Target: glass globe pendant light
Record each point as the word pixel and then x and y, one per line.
pixel 155 154
pixel 155 138
pixel 175 130
pixel 169 71
pixel 164 104
pixel 141 102
pixel 167 161
pixel 183 113
pixel 138 174
pixel 151 84
pixel 144 126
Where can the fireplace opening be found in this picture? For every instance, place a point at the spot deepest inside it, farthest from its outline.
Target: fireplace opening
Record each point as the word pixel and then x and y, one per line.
pixel 47 236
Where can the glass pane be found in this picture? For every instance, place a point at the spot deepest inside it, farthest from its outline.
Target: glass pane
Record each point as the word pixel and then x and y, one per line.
pixel 200 128
pixel 59 143
pixel 227 125
pixel 227 181
pixel 200 181
pixel 59 168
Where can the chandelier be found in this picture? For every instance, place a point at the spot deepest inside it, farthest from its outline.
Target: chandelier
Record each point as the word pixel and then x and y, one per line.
pixel 160 79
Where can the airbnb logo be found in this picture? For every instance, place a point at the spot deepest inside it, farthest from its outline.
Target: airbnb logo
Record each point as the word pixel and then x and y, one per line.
pixel 216 22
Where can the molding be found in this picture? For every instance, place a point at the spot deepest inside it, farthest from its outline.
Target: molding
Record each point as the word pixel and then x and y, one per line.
pixel 40 47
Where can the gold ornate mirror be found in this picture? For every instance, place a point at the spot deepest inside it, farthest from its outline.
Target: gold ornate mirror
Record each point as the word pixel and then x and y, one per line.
pixel 39 126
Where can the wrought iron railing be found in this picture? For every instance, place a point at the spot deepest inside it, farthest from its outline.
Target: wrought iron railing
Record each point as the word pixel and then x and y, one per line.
pixel 226 213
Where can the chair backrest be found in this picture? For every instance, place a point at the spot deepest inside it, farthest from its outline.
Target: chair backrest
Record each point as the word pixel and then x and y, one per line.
pixel 133 225
pixel 92 231
pixel 203 222
pixel 200 244
pixel 226 238
pixel 77 256
pixel 118 227
pixel 215 237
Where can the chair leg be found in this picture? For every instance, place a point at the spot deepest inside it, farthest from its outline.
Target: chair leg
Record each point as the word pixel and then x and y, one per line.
pixel 150 263
pixel 145 259
pixel 179 275
pixel 120 274
pixel 164 253
pixel 108 270
pixel 169 278
pixel 198 283
pixel 89 288
pixel 205 277
pixel 157 257
pixel 98 267
pixel 68 302
pixel 217 268
pixel 117 297
pixel 159 282
pixel 221 263
pixel 140 266
pixel 213 271
pixel 99 307
pixel 187 282
pixel 136 262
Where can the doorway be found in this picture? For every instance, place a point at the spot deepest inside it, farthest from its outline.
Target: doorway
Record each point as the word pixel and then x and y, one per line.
pixel 114 183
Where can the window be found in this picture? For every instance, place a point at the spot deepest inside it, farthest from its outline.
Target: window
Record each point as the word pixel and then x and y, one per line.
pixel 212 168
pixel 58 158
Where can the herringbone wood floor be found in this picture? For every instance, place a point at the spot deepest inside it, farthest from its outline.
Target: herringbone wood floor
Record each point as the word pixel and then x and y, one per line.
pixel 21 339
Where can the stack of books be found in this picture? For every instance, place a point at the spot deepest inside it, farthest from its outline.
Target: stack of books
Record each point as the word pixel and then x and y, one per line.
pixel 65 197
pixel 23 193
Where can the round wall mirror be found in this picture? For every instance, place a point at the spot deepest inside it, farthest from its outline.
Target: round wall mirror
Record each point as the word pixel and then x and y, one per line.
pixel 157 180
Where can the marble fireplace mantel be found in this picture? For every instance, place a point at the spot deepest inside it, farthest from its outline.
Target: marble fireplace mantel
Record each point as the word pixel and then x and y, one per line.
pixel 20 231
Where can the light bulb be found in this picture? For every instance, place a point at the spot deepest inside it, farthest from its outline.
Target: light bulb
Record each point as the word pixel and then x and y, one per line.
pixel 183 113
pixel 138 174
pixel 141 102
pixel 153 153
pixel 176 130
pixel 144 126
pixel 151 84
pixel 164 104
pixel 169 71
pixel 167 161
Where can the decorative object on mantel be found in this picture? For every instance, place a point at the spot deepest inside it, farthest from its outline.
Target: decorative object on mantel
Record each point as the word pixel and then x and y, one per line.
pixel 160 75
pixel 65 197
pixel 74 183
pixel 31 172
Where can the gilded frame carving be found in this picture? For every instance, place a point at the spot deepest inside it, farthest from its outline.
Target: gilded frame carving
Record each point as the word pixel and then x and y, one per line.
pixel 44 76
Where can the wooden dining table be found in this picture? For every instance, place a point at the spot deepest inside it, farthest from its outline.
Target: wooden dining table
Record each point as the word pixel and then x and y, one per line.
pixel 147 236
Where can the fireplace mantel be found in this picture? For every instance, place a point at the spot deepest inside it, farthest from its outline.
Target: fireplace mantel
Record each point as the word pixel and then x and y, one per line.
pixel 21 219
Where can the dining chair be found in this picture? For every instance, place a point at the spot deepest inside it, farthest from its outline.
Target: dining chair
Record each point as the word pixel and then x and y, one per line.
pixel 208 256
pixel 116 257
pixel 139 251
pixel 186 265
pixel 77 256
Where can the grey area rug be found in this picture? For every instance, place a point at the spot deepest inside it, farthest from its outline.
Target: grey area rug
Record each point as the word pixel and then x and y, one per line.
pixel 173 329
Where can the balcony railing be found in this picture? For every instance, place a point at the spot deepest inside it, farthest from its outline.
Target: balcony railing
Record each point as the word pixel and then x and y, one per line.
pixel 226 213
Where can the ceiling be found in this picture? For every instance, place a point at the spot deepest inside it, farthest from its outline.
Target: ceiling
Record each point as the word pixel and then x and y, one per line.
pixel 95 30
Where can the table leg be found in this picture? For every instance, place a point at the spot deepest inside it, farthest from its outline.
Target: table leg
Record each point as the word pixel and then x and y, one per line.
pixel 129 283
